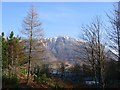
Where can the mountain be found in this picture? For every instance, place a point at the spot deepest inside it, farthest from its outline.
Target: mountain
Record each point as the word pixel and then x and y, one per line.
pixel 66 49
pixel 62 47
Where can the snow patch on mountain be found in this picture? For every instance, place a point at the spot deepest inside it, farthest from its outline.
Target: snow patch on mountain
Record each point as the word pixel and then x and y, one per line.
pixel 63 48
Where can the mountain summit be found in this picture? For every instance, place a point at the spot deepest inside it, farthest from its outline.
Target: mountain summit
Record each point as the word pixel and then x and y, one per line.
pixel 63 48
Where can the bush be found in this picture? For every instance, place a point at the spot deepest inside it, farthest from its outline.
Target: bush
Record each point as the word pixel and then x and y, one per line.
pixel 13 80
pixel 41 79
pixel 41 73
pixel 23 70
pixel 54 85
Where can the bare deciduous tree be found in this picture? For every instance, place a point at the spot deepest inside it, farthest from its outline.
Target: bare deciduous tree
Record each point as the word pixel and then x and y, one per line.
pixel 33 31
pixel 114 32
pixel 94 49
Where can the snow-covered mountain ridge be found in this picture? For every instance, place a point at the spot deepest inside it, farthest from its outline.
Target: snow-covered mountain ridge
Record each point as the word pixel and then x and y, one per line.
pixel 64 49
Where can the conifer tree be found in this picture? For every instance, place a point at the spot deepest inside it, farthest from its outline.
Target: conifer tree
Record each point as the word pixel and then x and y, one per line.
pixel 32 31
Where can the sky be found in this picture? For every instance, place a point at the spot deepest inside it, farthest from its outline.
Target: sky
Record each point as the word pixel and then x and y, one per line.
pixel 58 18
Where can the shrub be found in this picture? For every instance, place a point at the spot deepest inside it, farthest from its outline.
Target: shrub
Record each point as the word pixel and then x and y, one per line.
pixel 23 70
pixel 41 79
pixel 13 80
pixel 41 73
pixel 54 85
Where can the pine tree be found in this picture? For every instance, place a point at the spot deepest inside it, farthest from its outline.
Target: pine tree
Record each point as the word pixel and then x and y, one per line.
pixel 12 54
pixel 4 58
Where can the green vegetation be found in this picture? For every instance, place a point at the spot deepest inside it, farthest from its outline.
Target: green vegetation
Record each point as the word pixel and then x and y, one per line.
pixel 41 74
pixel 22 70
pixel 23 63
pixel 13 81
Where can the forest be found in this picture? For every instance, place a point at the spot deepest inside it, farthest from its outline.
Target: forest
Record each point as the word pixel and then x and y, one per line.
pixel 25 64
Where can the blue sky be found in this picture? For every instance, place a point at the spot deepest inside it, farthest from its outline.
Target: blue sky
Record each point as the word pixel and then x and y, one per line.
pixel 57 18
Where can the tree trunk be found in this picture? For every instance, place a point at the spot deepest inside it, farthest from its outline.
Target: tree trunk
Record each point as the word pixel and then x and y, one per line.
pixel 29 62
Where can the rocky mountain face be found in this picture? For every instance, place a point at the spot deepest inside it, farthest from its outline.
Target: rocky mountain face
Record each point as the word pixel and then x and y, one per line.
pixel 63 48
pixel 66 49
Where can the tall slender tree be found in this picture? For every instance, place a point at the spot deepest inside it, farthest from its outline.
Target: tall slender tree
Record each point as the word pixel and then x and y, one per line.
pixel 32 31
pixel 4 51
pixel 114 32
pixel 95 49
pixel 12 54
